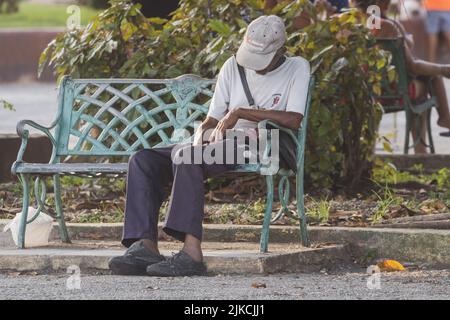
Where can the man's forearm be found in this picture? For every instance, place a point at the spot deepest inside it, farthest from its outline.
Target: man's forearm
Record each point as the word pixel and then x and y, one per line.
pixel 286 119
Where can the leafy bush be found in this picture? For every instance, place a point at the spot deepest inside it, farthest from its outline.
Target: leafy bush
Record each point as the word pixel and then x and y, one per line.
pixel 96 4
pixel 202 34
pixel 6 105
pixel 385 173
pixel 9 6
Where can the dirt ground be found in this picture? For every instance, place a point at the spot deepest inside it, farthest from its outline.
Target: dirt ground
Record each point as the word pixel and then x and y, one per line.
pixel 243 202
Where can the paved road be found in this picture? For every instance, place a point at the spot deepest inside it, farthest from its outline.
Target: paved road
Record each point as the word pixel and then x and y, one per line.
pixel 37 101
pixel 407 285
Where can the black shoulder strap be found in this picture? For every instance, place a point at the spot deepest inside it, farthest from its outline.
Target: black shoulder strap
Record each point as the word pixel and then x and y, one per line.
pixel 251 102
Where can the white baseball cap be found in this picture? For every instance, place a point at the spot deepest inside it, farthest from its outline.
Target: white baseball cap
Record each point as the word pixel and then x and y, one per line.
pixel 264 36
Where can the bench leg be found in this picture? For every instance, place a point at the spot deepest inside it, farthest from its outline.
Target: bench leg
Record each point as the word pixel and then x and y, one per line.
pixel 25 179
pixel 301 208
pixel 59 210
pixel 264 244
pixel 407 132
pixel 430 134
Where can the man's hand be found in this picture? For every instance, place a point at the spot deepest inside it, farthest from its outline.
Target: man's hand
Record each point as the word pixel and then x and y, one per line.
pixel 227 122
pixel 208 124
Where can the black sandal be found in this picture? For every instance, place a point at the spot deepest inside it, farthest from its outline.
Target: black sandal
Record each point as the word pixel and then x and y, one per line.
pixel 445 134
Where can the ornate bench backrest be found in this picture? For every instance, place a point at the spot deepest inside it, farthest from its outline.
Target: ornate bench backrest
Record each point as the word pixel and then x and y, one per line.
pixel 117 117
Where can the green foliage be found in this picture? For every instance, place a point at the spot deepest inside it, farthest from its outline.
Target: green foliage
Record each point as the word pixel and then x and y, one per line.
pixel 9 6
pixel 242 213
pixel 386 199
pixel 72 181
pixel 385 173
pixel 441 196
pixel 101 49
pixel 442 178
pixel 344 117
pixel 98 216
pixel 6 105
pixel 121 42
pixel 320 210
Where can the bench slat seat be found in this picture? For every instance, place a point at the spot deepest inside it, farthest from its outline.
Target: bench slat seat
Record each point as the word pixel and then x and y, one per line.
pixel 69 168
pixel 97 168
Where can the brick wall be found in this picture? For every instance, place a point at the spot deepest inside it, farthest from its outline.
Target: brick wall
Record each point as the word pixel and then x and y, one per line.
pixel 20 51
pixel 39 150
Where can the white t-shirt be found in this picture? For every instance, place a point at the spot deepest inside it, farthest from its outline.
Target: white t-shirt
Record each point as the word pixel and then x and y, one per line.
pixel 285 88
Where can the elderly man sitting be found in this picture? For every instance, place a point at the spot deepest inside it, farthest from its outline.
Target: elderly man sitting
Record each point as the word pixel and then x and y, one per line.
pixel 278 87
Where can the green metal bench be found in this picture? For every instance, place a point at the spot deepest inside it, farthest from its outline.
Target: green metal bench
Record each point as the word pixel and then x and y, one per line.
pixel 100 123
pixel 397 96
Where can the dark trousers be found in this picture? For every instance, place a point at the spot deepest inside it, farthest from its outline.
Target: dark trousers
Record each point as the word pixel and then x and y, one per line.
pixel 150 171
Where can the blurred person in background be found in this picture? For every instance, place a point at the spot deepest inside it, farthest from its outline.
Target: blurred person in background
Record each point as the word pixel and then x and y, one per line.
pixel 340 5
pixel 408 9
pixel 418 69
pixel 438 20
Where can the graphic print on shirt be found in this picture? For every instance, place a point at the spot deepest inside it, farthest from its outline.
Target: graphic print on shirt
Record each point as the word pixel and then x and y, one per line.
pixel 275 99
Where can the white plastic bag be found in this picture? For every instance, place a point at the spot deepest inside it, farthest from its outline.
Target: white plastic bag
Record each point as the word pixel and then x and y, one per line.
pixel 37 232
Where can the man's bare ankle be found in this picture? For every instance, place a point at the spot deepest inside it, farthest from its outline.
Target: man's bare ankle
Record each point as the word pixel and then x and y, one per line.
pixel 195 253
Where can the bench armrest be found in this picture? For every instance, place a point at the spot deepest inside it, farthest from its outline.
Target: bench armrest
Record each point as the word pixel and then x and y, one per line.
pixel 263 125
pixel 292 133
pixel 23 133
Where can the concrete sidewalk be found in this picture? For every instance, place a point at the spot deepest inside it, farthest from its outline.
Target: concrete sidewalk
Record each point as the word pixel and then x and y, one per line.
pixel 234 248
pixel 220 258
